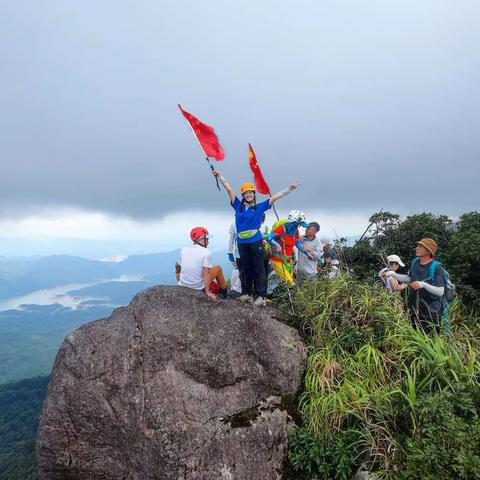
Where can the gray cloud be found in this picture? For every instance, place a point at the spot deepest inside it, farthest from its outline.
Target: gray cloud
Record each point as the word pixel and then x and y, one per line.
pixel 367 104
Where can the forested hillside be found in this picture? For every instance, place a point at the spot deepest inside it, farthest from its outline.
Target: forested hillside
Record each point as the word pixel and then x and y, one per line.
pixel 20 408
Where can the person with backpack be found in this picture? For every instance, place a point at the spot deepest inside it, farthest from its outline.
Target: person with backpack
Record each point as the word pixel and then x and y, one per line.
pixel 283 238
pixel 248 220
pixel 307 266
pixel 427 280
pixel 194 269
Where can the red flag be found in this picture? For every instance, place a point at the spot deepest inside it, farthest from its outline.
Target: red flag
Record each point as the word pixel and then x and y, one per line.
pixel 260 182
pixel 205 135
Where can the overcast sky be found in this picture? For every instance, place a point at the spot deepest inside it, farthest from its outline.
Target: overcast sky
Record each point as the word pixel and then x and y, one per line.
pixel 367 104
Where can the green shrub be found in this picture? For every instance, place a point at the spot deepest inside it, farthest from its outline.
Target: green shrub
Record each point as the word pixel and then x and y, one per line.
pixel 446 443
pixel 369 379
pixel 318 458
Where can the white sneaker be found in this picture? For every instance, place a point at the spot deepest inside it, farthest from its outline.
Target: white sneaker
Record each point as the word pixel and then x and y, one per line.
pixel 246 298
pixel 260 302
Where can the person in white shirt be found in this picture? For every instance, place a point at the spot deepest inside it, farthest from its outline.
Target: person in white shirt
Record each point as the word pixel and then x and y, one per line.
pixel 307 266
pixel 194 269
pixel 396 265
pixel 234 257
pixel 233 254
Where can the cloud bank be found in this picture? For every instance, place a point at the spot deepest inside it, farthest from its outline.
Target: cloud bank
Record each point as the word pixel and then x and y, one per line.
pixel 367 104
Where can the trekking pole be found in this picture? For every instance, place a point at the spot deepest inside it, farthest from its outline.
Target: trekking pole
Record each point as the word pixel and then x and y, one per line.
pixel 283 266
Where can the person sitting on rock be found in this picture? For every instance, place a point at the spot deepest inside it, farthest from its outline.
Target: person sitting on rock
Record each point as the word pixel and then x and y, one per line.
pixel 194 269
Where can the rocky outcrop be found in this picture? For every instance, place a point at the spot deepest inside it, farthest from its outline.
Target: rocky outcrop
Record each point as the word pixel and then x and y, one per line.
pixel 172 386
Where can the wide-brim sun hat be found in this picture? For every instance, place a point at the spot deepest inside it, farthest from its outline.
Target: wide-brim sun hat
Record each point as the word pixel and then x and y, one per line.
pixel 396 259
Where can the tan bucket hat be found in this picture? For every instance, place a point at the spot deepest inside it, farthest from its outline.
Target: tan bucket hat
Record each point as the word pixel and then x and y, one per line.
pixel 430 244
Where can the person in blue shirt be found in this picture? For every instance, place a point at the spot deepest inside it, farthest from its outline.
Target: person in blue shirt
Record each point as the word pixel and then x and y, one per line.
pixel 248 219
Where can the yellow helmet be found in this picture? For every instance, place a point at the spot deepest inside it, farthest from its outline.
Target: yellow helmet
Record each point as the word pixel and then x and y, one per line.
pixel 246 187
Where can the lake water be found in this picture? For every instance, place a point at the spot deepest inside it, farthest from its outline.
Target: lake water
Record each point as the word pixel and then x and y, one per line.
pixel 59 294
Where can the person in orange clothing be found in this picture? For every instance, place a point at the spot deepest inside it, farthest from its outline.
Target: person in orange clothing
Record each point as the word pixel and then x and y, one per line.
pixel 283 239
pixel 194 269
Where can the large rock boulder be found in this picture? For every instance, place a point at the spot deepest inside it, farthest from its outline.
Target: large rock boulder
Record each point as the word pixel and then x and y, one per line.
pixel 172 386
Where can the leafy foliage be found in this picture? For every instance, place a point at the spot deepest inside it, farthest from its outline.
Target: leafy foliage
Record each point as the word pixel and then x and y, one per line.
pixel 458 247
pixel 20 407
pixel 316 460
pixel 463 257
pixel 373 382
pixel 446 443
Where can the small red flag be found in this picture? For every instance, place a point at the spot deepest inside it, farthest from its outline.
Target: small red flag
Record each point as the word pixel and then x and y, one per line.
pixel 260 182
pixel 206 136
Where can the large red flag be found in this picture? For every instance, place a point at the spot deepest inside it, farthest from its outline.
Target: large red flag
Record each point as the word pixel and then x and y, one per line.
pixel 260 182
pixel 205 135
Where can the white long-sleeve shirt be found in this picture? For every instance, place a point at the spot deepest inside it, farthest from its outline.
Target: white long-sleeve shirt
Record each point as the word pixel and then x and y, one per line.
pixel 438 291
pixel 306 266
pixel 232 241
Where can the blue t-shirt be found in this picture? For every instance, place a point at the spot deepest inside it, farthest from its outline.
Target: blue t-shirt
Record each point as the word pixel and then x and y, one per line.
pixel 249 219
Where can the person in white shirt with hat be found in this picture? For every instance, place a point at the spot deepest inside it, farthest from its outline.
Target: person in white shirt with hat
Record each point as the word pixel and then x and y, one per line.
pixel 391 283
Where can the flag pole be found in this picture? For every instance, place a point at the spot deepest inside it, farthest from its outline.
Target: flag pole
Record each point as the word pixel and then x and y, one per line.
pixel 206 157
pixel 211 166
pixel 283 264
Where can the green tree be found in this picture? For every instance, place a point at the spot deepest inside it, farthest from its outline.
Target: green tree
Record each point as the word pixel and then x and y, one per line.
pixel 400 237
pixel 389 234
pixel 463 258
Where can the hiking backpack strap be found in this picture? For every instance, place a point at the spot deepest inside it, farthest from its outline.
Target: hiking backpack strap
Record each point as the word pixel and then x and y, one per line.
pixel 284 232
pixel 414 262
pixel 432 270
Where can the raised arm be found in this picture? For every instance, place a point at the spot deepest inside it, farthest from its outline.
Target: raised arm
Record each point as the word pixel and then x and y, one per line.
pixel 227 186
pixel 283 192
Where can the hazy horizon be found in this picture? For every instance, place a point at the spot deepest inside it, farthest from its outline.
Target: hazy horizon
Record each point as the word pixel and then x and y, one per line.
pixel 368 105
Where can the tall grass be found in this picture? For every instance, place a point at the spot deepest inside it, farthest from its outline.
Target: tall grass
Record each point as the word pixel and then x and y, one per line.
pixel 367 369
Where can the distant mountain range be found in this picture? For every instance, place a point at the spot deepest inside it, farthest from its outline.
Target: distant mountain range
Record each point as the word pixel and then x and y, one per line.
pixel 20 276
pixel 30 335
pixel 80 247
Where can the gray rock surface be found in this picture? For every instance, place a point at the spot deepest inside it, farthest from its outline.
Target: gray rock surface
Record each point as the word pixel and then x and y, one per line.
pixel 364 474
pixel 172 386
